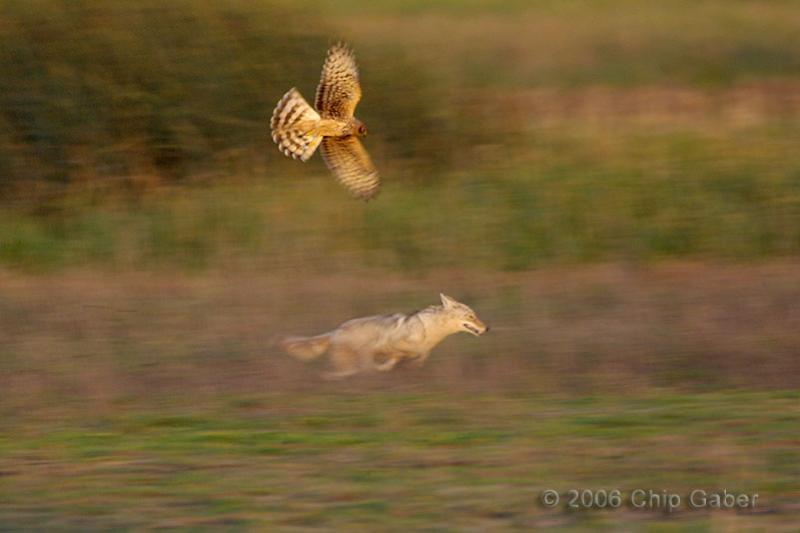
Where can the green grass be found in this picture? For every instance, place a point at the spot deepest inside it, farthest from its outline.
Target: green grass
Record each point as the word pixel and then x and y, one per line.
pixel 646 198
pixel 527 134
pixel 140 88
pixel 394 460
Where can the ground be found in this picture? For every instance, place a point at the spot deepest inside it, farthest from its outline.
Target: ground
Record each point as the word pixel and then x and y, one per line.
pixel 154 400
pixel 377 460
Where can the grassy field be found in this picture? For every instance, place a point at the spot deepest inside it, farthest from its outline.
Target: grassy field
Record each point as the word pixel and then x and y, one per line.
pixel 123 88
pixel 614 186
pixel 134 135
pixel 591 330
pixel 695 185
pixel 152 400
pixel 394 460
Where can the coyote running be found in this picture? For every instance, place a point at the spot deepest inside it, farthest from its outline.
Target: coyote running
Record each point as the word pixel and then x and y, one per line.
pixel 358 344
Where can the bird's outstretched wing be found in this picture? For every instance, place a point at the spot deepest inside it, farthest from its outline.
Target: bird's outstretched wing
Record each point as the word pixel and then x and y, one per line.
pixel 349 161
pixel 338 91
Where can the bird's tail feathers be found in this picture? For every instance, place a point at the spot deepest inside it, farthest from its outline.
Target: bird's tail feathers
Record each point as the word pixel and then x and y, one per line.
pixel 293 126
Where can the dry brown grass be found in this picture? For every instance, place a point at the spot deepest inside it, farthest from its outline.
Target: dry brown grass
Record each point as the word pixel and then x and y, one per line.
pixel 663 107
pixel 142 400
pixel 98 338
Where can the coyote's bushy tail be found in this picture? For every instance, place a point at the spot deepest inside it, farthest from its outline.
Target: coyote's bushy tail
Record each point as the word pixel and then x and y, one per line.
pixel 305 348
pixel 292 126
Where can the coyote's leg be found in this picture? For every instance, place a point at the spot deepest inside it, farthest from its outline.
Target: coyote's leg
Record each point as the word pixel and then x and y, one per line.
pixel 419 359
pixel 340 374
pixel 388 364
pixel 345 362
pixel 395 358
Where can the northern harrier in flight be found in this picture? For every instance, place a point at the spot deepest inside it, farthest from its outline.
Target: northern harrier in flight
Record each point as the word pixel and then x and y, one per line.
pixel 297 128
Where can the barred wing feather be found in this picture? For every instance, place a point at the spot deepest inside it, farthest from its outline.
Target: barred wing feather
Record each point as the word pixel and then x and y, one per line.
pixel 349 161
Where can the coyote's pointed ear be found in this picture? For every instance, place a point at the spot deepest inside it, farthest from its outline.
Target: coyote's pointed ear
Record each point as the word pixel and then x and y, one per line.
pixel 447 302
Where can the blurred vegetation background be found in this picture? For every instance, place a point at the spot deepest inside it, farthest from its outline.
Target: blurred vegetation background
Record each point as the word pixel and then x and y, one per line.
pixel 613 185
pixel 510 135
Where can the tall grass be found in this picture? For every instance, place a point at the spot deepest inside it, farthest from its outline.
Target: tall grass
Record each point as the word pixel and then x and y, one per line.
pixel 645 197
pixel 96 89
pixel 134 134
pixel 92 90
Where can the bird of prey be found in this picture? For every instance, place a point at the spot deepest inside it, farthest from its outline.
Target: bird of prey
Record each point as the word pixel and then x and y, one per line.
pixel 298 129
